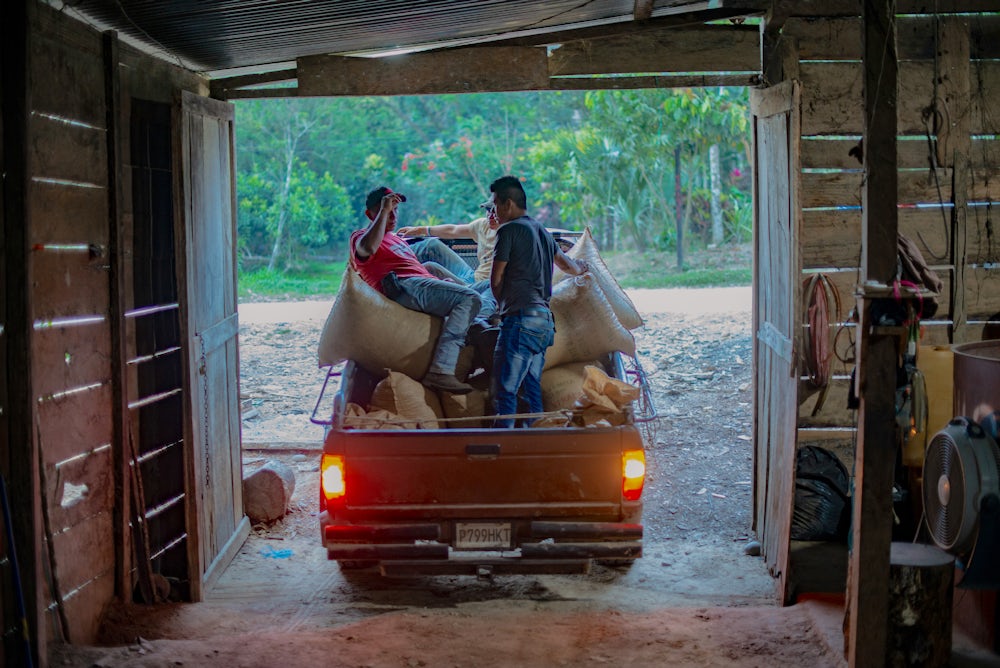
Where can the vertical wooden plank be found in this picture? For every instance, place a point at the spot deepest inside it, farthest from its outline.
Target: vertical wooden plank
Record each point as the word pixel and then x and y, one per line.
pixel 192 477
pixel 777 222
pixel 20 462
pixel 867 595
pixel 758 259
pixel 770 52
pixel 116 310
pixel 954 146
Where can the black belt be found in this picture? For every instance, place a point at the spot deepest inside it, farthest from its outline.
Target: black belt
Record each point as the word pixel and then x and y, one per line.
pixel 531 311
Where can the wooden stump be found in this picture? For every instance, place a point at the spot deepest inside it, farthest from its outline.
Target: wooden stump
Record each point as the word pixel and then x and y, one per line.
pixel 921 583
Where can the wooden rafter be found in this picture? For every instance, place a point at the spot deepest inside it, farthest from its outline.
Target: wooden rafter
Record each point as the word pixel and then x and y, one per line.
pixel 643 10
pixel 721 55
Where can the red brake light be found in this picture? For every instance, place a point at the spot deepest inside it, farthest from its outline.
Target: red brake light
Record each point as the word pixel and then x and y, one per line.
pixel 633 474
pixel 332 472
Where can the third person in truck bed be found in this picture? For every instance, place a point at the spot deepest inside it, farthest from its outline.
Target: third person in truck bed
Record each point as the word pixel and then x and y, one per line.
pixel 521 281
pixel 432 250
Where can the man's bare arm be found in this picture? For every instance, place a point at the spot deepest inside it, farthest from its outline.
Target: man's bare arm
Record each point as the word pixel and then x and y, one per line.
pixel 496 277
pixel 369 242
pixel 463 231
pixel 568 264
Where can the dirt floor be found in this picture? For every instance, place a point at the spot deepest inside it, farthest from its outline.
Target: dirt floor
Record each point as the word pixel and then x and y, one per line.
pixel 694 598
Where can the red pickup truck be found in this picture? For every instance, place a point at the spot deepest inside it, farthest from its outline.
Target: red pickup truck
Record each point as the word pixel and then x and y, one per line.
pixel 481 501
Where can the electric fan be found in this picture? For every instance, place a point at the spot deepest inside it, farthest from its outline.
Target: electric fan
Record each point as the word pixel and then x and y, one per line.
pixel 961 479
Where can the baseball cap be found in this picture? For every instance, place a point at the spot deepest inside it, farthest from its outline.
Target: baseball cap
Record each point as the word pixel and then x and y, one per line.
pixel 374 199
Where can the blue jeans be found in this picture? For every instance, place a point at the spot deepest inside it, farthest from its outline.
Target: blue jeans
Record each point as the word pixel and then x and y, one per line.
pixel 517 363
pixel 489 302
pixel 456 304
pixel 434 250
pixel 446 264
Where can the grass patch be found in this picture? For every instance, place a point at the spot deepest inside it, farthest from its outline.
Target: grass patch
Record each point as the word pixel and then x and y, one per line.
pixel 692 278
pixel 706 268
pixel 314 280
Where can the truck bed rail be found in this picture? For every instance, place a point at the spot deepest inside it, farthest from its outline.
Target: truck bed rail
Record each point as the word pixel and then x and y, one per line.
pixel 628 368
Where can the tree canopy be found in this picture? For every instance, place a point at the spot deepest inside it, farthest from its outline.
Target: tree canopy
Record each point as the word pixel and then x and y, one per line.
pixel 604 159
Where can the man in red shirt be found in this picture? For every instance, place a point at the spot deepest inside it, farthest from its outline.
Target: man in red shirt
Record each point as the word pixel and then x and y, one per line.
pixel 385 261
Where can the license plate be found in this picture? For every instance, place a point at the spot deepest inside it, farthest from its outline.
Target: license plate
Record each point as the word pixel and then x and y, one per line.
pixel 482 535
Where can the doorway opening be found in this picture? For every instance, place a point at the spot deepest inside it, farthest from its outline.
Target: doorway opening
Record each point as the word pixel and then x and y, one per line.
pixel 698 355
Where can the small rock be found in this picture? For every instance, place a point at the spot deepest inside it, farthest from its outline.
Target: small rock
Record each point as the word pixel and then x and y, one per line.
pixel 752 549
pixel 299 458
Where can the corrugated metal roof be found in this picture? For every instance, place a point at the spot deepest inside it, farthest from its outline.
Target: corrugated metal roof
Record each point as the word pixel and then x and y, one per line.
pixel 214 35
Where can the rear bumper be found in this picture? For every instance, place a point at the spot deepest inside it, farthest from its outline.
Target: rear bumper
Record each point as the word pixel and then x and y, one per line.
pixel 535 547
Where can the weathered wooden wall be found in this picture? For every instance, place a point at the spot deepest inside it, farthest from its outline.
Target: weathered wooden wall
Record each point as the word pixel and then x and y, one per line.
pixel 949 170
pixel 68 230
pixel 79 238
pixel 948 155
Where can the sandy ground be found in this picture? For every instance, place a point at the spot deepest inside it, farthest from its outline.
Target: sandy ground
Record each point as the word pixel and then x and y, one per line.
pixel 675 300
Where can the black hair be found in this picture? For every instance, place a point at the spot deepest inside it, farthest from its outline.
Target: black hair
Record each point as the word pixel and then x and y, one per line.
pixel 509 188
pixel 374 200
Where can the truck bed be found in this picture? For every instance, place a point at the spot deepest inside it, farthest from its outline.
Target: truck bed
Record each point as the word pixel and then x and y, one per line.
pixel 477 501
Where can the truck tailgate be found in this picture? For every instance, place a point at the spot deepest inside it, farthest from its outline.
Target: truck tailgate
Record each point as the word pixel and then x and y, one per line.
pixel 484 473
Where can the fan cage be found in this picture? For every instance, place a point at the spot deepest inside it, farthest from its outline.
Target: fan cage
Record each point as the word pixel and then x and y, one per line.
pixel 961 465
pixel 944 517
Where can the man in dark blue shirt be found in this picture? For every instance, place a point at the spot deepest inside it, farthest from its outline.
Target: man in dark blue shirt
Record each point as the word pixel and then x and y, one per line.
pixel 521 281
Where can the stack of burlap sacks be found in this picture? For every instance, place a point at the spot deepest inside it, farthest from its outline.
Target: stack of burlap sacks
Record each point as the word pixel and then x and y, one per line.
pixel 593 317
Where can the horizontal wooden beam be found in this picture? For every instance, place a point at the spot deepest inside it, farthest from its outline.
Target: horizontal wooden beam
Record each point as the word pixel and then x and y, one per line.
pixel 258 93
pixel 222 88
pixel 911 153
pixel 832 189
pixel 675 81
pixel 466 70
pixel 831 238
pixel 728 10
pixel 853 7
pixel 840 38
pixel 831 97
pixel 702 49
pixel 567 83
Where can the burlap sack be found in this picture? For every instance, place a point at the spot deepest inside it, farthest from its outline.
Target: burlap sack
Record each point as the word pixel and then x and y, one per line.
pixel 473 404
pixel 586 325
pixel 356 417
pixel 403 396
pixel 552 422
pixel 586 249
pixel 601 388
pixel 562 385
pixel 604 398
pixel 376 332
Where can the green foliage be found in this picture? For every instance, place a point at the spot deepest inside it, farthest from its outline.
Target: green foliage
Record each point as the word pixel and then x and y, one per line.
pixel 694 278
pixel 598 159
pixel 315 279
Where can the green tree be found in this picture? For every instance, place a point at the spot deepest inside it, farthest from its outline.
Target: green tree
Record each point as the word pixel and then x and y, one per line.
pixel 281 198
pixel 605 159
